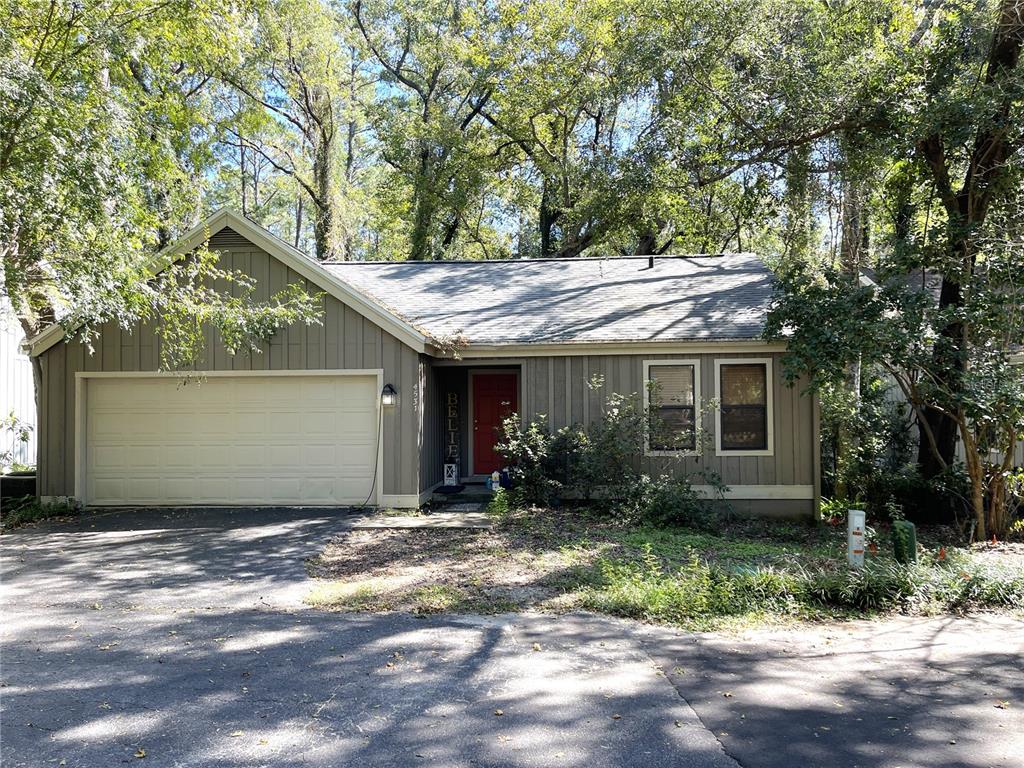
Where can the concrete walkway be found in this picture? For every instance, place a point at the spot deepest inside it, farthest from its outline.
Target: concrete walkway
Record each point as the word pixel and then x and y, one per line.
pixel 182 635
pixel 479 520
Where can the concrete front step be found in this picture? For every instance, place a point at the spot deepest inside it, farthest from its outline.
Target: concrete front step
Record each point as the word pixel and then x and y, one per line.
pixel 433 520
pixel 462 497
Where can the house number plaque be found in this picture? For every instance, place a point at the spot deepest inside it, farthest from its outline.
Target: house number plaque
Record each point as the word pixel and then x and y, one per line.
pixel 451 441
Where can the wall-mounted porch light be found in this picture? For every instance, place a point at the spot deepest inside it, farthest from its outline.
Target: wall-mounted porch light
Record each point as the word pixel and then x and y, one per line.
pixel 388 395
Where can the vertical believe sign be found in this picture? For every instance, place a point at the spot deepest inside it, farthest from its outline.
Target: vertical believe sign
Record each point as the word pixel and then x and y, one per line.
pixel 451 439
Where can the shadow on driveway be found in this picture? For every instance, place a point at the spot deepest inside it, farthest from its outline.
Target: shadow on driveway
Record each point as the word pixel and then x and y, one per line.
pixel 170 557
pixel 905 691
pixel 181 633
pixel 248 688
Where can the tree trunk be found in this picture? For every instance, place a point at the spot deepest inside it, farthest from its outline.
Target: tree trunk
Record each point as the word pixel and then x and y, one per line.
pixel 851 256
pixel 547 216
pixel 976 472
pixel 241 164
pixel 325 217
pixel 950 358
pixel 424 208
pixel 967 209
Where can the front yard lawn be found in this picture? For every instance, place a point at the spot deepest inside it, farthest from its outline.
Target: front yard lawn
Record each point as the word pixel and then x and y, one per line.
pixel 752 571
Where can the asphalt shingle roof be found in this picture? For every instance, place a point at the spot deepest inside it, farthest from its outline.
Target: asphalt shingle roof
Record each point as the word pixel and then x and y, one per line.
pixel 572 300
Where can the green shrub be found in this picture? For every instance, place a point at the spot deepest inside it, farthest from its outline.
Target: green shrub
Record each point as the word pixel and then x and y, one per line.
pixel 701 591
pixel 695 590
pixel 601 466
pixel 500 504
pixel 668 501
pixel 536 462
pixel 29 509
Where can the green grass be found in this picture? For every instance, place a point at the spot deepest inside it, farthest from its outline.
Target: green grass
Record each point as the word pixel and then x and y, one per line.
pixel 748 572
pixel 28 510
pixel 702 594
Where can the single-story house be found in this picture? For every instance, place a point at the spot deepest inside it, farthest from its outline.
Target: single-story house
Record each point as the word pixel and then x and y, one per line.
pixel 412 371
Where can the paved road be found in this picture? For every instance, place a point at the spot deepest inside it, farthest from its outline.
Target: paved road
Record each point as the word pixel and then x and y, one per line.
pixel 183 635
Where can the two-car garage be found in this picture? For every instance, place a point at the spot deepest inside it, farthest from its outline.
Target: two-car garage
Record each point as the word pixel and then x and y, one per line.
pixel 280 438
pixel 295 418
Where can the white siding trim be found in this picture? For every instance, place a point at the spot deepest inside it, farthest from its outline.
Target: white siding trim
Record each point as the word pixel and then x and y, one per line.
pixel 403 500
pixel 769 492
pixel 769 376
pixel 695 362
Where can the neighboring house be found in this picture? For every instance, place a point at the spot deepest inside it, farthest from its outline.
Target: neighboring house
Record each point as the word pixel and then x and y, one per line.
pixel 17 391
pixel 931 283
pixel 460 345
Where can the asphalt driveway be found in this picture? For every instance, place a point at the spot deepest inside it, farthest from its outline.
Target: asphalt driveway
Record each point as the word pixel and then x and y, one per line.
pixel 179 638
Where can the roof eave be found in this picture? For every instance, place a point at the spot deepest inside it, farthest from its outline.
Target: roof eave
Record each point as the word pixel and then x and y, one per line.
pixel 621 347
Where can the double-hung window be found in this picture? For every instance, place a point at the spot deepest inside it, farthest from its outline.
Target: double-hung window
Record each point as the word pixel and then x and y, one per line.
pixel 744 407
pixel 673 399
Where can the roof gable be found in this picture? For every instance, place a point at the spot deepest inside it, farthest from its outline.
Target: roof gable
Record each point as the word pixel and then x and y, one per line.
pixel 282 251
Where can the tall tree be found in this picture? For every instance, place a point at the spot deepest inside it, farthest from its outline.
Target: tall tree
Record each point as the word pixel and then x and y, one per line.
pixel 437 60
pixel 102 136
pixel 968 128
pixel 299 69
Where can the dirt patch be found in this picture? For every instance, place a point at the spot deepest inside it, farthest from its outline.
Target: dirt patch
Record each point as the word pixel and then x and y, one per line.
pixel 424 570
pixel 557 560
pixel 1006 554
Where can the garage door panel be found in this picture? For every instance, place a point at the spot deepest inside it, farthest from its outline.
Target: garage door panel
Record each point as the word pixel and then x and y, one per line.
pixel 322 391
pixel 177 458
pixel 283 454
pixel 214 456
pixel 281 422
pixel 357 456
pixel 109 487
pixel 319 422
pixel 251 423
pixel 317 488
pixel 109 423
pixel 227 440
pixel 281 489
pixel 251 490
pixel 316 456
pixel 109 456
pixel 144 488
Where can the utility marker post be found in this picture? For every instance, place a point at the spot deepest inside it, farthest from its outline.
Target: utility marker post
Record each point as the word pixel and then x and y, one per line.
pixel 855 537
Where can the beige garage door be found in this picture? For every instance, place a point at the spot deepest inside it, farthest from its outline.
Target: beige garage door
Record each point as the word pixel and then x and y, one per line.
pixel 230 440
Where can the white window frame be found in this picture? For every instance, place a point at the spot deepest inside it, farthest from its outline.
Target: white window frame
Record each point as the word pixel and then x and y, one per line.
pixel 648 451
pixel 769 386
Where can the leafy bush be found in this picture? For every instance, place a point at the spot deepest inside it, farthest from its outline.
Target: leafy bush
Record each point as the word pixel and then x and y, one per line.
pixel 535 460
pixel 12 432
pixel 499 505
pixel 643 590
pixel 669 501
pixel 601 465
pixel 29 509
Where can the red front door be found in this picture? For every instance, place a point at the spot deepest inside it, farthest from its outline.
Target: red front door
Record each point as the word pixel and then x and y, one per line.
pixel 494 399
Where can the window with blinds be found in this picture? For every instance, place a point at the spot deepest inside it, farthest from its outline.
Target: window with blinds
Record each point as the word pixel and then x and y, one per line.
pixel 672 414
pixel 743 389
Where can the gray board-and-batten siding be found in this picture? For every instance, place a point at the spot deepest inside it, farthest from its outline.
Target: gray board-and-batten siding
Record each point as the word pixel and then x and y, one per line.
pixel 346 340
pixel 558 390
pixel 554 386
